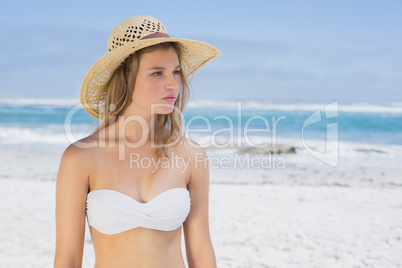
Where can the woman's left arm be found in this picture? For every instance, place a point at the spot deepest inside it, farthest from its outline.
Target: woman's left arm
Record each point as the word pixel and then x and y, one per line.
pixel 199 249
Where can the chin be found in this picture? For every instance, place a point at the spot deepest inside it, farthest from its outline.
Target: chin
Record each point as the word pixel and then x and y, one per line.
pixel 164 109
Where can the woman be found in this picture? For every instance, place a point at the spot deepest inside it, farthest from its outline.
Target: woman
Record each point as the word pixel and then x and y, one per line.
pixel 136 178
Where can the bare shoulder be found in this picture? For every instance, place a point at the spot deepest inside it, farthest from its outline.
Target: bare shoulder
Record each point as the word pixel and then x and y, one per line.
pixel 195 153
pixel 197 158
pixel 80 149
pixel 192 148
pixel 78 156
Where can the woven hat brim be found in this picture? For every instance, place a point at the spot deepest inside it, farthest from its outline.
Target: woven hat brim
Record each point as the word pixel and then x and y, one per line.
pixel 195 54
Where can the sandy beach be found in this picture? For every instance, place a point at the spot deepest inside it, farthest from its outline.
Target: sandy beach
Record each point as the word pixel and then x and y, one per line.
pixel 298 105
pixel 292 217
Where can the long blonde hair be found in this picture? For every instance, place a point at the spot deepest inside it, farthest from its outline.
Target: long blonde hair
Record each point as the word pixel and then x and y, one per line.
pixel 120 92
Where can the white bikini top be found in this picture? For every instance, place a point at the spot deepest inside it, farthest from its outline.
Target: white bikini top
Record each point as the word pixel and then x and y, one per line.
pixel 112 212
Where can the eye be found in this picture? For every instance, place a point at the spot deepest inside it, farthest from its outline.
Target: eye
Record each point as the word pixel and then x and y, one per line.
pixel 177 72
pixel 157 74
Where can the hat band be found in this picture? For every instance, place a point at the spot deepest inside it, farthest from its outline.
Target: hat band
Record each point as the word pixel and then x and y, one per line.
pixel 155 35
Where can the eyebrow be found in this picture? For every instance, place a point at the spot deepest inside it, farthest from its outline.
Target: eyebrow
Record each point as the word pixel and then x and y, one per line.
pixel 161 68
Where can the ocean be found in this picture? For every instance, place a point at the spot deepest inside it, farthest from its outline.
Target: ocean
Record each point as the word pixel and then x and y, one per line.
pixel 351 132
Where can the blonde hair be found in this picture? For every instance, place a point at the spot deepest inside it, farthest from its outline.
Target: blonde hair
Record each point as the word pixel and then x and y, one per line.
pixel 120 92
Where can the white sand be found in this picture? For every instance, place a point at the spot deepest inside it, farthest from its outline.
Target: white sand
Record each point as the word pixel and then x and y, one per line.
pixel 296 217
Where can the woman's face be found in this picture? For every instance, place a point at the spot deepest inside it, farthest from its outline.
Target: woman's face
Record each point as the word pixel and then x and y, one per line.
pixel 157 83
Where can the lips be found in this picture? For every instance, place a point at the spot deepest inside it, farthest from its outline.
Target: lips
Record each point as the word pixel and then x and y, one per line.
pixel 170 98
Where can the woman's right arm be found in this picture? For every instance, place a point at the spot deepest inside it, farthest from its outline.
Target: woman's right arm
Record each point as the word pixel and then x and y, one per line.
pixel 71 193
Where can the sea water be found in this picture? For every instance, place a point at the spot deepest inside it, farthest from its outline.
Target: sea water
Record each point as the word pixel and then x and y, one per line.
pixel 352 131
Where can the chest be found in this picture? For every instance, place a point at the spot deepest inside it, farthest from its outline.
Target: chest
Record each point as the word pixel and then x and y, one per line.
pixel 138 174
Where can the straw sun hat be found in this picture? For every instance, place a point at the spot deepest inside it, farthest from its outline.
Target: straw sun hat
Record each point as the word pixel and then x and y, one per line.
pixel 128 37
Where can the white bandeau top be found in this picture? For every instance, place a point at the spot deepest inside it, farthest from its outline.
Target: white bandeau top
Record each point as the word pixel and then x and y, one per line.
pixel 112 212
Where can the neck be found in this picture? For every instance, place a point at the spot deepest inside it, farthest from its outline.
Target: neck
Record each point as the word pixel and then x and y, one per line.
pixel 131 127
pixel 136 128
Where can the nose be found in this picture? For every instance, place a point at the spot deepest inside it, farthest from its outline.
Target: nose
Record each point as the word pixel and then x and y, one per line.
pixel 172 82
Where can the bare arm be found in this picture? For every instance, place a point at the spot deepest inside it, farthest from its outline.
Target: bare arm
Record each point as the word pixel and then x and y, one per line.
pixel 71 191
pixel 199 249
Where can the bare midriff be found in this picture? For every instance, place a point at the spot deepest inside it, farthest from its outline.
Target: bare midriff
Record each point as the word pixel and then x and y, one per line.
pixel 139 247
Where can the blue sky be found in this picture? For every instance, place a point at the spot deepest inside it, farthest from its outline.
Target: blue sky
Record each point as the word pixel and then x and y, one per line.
pixel 282 51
